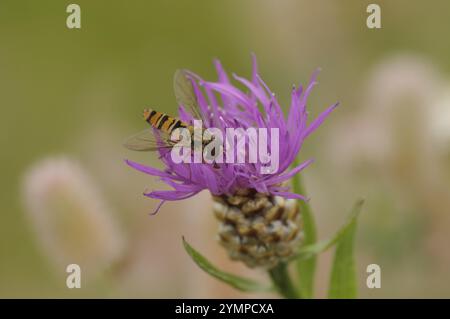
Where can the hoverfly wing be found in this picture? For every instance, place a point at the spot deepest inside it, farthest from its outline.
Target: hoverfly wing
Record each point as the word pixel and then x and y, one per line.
pixel 185 94
pixel 148 140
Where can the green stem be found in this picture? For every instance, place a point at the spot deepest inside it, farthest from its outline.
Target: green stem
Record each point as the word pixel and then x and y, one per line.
pixel 306 268
pixel 282 281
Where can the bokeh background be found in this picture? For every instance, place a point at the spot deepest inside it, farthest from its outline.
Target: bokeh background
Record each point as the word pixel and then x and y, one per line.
pixel 69 98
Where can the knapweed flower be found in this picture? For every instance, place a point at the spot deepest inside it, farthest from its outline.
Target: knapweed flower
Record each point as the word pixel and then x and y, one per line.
pixel 258 214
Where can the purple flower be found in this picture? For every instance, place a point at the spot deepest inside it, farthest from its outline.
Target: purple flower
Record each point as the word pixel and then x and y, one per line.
pixel 236 109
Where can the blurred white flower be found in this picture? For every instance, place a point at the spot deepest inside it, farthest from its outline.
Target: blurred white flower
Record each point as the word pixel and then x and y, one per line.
pixel 72 222
pixel 402 77
pixel 439 117
pixel 395 122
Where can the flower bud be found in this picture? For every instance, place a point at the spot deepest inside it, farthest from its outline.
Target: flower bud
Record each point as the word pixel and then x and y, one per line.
pixel 72 223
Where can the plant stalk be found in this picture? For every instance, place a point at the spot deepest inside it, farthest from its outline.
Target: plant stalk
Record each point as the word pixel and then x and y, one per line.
pixel 282 281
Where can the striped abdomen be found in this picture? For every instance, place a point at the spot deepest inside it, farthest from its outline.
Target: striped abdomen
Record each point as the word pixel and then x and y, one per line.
pixel 162 121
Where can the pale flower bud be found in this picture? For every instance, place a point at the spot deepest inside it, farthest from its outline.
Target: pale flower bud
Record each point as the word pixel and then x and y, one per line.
pixel 72 223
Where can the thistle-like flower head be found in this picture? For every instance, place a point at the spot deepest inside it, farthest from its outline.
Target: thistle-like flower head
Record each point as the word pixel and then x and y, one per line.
pixel 223 105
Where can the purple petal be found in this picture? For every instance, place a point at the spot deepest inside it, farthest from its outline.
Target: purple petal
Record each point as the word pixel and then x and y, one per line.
pixel 149 170
pixel 318 121
pixel 281 178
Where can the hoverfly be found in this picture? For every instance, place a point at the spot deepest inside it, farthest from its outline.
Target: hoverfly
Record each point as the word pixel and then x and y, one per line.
pixel 162 125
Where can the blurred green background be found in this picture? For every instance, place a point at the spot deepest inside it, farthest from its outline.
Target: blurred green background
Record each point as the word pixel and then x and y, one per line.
pixel 80 93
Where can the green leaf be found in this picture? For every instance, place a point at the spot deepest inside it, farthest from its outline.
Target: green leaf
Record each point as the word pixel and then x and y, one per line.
pixel 308 251
pixel 343 274
pixel 306 267
pixel 237 282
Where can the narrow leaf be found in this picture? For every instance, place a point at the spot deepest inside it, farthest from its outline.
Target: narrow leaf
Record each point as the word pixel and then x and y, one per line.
pixel 237 282
pixel 343 274
pixel 306 267
pixel 308 251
